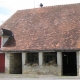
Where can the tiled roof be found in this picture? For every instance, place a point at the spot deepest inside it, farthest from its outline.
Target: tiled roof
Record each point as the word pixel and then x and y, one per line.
pixel 46 28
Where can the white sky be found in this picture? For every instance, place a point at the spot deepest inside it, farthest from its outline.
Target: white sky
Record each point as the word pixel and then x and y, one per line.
pixel 9 7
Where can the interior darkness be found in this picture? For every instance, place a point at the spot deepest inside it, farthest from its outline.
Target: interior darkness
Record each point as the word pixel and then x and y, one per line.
pixel 32 58
pixel 69 64
pixel 50 56
pixel 16 63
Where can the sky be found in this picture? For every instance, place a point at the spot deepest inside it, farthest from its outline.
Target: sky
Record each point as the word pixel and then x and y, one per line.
pixel 9 7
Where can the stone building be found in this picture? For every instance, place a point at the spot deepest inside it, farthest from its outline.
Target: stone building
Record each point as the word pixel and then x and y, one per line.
pixel 42 41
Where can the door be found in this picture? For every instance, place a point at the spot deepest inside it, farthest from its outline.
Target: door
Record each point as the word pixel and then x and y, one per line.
pixel 0 42
pixel 2 63
pixel 69 64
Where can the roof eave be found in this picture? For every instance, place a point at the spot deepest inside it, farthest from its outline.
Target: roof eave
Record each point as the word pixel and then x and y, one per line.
pixel 54 50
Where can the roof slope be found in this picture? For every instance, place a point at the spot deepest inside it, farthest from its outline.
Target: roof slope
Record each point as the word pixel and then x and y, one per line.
pixel 47 28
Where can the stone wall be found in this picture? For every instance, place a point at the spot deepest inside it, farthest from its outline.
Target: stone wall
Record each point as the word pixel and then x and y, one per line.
pixel 41 70
pixel 7 63
pixel 14 63
pixel 78 63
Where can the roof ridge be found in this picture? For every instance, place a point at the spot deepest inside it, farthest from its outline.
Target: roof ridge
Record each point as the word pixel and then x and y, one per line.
pixel 50 6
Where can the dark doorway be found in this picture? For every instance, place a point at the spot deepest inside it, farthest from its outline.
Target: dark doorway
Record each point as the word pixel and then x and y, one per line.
pixel 16 63
pixel 69 64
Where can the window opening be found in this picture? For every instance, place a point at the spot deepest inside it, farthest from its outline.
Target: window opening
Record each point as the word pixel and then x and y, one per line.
pixel 32 59
pixel 50 58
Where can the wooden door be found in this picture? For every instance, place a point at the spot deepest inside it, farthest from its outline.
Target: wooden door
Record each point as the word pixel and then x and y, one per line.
pixel 2 63
pixel 0 42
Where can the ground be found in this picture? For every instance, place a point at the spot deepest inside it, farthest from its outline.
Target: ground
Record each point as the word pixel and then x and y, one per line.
pixel 33 79
pixel 36 77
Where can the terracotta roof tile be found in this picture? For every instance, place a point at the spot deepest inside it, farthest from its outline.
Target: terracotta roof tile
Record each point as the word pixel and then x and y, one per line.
pixel 47 28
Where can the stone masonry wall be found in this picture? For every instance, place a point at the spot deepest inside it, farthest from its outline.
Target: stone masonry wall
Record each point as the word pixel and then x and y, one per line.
pixel 7 63
pixel 41 68
pixel 55 70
